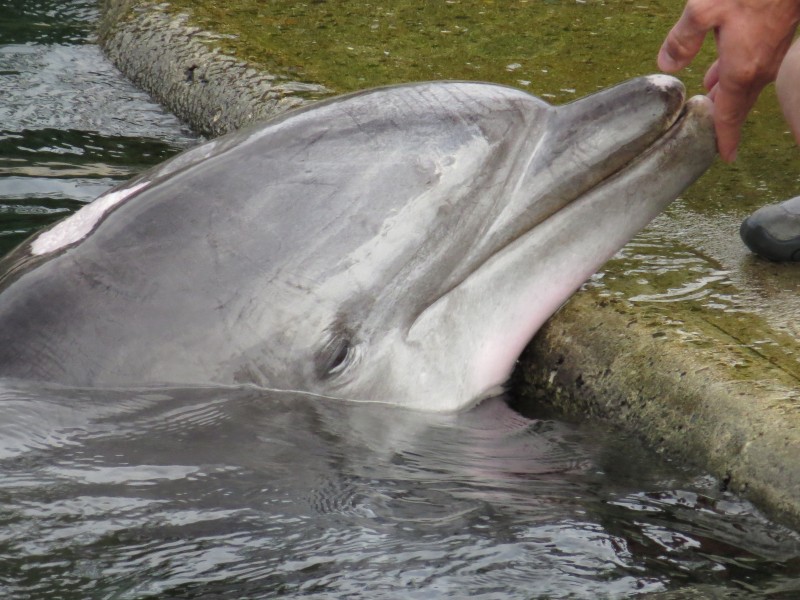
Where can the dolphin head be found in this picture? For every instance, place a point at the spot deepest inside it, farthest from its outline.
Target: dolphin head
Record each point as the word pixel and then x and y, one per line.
pixel 399 245
pixel 504 214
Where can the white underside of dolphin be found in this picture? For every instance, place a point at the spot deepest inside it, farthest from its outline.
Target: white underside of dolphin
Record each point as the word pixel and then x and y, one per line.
pixel 399 245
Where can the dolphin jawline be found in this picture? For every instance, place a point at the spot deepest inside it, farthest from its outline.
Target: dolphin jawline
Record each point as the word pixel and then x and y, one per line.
pixel 671 131
pixel 538 255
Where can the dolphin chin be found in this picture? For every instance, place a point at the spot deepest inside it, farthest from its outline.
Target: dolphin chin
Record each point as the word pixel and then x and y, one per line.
pixel 397 245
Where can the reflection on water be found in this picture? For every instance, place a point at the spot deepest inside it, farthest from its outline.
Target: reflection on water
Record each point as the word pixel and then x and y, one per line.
pixel 46 21
pixel 674 279
pixel 70 125
pixel 655 269
pixel 234 493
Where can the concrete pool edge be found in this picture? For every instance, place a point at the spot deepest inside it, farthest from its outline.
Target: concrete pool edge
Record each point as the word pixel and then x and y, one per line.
pixel 179 66
pixel 600 357
pixel 592 358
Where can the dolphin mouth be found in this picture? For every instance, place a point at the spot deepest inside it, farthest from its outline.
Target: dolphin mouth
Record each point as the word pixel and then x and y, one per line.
pixel 681 131
pixel 681 150
pixel 693 123
pixel 621 125
pixel 694 108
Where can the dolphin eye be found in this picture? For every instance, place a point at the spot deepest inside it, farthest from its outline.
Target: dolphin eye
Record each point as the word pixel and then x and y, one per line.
pixel 335 357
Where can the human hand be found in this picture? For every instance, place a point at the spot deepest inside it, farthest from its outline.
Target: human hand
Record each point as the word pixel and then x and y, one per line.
pixel 752 37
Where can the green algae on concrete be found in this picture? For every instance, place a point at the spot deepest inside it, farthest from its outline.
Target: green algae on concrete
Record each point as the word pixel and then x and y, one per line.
pixel 670 283
pixel 556 49
pixel 349 45
pixel 181 67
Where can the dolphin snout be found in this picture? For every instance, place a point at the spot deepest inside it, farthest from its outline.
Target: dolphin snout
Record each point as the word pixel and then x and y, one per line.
pixel 614 126
pixel 593 138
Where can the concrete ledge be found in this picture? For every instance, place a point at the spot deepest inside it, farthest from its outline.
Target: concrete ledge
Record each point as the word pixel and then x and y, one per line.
pixel 175 64
pixel 597 357
pixel 602 358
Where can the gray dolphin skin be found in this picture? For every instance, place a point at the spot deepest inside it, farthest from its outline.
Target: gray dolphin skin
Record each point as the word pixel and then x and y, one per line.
pixel 398 245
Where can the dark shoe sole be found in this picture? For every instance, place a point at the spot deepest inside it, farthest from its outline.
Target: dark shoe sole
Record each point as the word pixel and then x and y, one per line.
pixel 773 231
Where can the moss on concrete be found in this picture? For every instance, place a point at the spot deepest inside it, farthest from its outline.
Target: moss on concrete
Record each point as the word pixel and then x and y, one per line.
pixel 180 66
pixel 347 45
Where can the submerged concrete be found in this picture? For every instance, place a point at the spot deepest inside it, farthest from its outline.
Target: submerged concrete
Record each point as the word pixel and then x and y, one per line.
pixel 715 402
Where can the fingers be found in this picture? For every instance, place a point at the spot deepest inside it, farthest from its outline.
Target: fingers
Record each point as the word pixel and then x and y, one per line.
pixel 729 116
pixel 684 41
pixel 712 77
pixel 712 93
pixel 752 37
pixel 730 110
pixel 726 125
pixel 736 79
pixel 788 90
pixel 731 105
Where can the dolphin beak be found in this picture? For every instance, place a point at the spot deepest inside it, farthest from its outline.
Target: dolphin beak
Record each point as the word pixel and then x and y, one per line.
pixel 594 137
pixel 616 124
pixel 583 144
pixel 604 167
pixel 542 268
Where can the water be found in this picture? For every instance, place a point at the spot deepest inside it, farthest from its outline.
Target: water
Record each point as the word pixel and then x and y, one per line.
pixel 70 125
pixel 231 493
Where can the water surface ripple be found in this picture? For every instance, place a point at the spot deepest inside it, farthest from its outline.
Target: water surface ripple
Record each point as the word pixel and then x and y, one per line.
pixel 234 493
pixel 70 125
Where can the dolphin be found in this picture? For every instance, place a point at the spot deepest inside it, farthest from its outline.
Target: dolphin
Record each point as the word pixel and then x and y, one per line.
pixel 398 245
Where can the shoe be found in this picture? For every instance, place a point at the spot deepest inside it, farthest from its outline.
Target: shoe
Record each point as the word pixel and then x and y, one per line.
pixel 773 231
